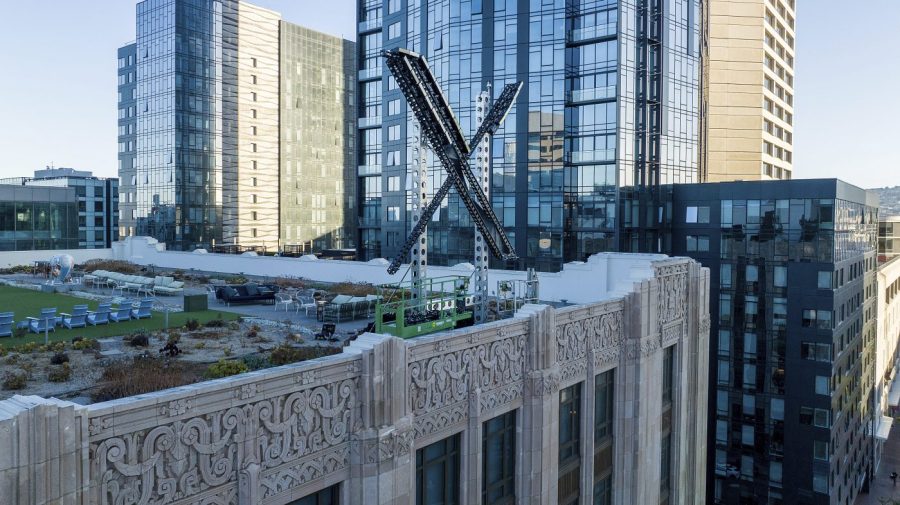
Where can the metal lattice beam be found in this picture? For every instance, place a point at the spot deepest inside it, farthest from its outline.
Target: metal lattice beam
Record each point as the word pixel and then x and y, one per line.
pixel 442 134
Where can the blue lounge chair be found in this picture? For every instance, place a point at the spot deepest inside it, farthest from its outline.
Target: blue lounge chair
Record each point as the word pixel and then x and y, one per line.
pixel 6 324
pixel 121 313
pixel 46 322
pixel 99 316
pixel 77 319
pixel 143 309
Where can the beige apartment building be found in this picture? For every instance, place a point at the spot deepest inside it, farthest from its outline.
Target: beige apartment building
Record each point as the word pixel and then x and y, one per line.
pixel 750 81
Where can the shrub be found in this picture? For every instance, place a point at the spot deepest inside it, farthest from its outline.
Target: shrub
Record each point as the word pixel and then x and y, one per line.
pixel 284 354
pixel 59 373
pixel 236 279
pixel 218 322
pixel 141 375
pixel 15 380
pixel 226 368
pixel 256 362
pixel 58 347
pixel 173 337
pixel 192 324
pixel 200 345
pixel 352 289
pixel 123 267
pixel 76 340
pixel 140 338
pixel 234 325
pixel 29 347
pixel 59 358
pixel 12 359
pixel 86 344
pixel 3 351
pixel 20 332
pixel 170 350
pixel 227 351
pixel 254 330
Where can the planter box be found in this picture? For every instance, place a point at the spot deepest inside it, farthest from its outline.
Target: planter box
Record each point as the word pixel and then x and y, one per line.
pixel 195 303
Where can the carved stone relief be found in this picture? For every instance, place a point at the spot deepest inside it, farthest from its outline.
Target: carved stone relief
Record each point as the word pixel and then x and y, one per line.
pixel 439 386
pixel 182 458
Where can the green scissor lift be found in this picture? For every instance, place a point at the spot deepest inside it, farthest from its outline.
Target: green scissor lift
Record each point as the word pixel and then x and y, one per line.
pixel 444 305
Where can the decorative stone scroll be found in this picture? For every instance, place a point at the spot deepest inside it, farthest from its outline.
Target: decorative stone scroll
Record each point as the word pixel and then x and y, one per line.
pixel 188 459
pixel 439 386
pixel 672 333
pixel 672 280
pixel 603 333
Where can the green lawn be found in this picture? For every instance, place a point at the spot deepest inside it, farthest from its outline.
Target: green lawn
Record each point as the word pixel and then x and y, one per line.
pixel 25 303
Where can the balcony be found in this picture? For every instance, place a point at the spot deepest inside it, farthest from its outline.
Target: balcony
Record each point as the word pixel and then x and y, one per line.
pixel 369 122
pixel 592 94
pixel 592 32
pixel 368 74
pixel 590 156
pixel 369 26
pixel 364 170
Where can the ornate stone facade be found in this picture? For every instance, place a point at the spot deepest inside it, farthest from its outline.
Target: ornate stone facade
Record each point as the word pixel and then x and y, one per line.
pixel 358 418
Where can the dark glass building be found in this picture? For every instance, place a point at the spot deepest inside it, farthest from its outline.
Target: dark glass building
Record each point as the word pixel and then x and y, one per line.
pixel 37 218
pixel 610 101
pixel 793 305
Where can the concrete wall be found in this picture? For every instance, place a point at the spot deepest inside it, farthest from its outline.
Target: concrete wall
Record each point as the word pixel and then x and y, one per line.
pixel 15 258
pixel 358 418
pixel 602 276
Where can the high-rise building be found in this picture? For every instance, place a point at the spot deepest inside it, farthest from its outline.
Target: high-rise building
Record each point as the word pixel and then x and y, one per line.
pixel 887 355
pixel 224 114
pixel 84 218
pixel 793 332
pixel 750 81
pixel 610 101
pixel 888 238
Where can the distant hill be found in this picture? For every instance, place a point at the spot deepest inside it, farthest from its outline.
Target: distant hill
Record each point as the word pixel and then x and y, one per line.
pixel 890 200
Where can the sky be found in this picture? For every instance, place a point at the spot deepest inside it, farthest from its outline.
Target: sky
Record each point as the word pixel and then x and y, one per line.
pixel 58 95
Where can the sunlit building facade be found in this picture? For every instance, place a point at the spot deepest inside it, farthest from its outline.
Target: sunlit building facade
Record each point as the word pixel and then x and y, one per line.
pixel 610 101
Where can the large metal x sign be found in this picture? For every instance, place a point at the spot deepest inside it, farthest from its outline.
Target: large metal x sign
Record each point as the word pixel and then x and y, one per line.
pixel 442 134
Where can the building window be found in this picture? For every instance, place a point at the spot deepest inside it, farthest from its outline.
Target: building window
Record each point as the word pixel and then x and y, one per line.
pixel 393 214
pixel 253 113
pixel 394 132
pixel 394 107
pixel 569 485
pixel 437 473
pixel 823 386
pixel 253 62
pixel 499 465
pixel 604 409
pixel 697 243
pixel 665 461
pixel 394 30
pixel 820 450
pixel 253 96
pixel 253 232
pixel 329 496
pixel 697 215
pixel 806 416
pixel 253 215
pixel 815 351
pixel 393 183
pixel 393 158
pixel 252 79
pixel 821 418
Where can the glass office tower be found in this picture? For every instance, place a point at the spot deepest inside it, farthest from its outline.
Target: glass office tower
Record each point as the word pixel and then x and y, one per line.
pixel 610 102
pixel 793 303
pixel 186 120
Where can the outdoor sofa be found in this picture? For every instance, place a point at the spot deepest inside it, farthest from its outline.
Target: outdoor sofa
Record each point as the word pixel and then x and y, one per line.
pixel 245 293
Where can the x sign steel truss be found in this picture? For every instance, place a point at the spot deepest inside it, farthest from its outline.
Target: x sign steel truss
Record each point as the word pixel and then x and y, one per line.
pixel 441 133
